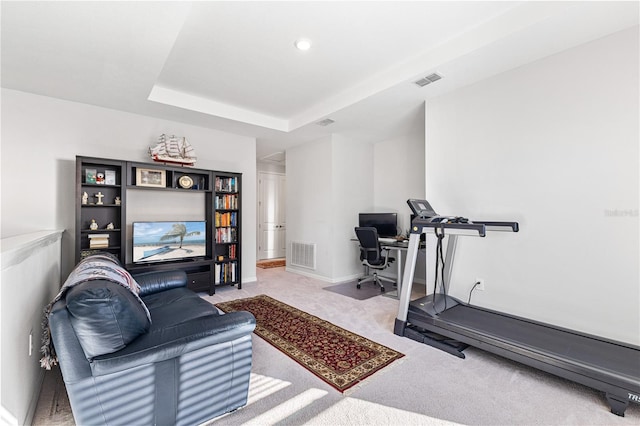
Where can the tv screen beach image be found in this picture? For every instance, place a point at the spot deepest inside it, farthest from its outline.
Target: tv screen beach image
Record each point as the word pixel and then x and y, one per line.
pixel 164 241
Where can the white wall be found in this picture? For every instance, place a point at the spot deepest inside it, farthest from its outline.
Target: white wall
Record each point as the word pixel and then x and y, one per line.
pixel 353 192
pixel 30 280
pixel 328 183
pixel 333 179
pixel 554 146
pixel 41 137
pixel 399 172
pixel 309 202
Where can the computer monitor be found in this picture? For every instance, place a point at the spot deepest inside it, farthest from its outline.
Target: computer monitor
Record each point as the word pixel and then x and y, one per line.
pixel 385 223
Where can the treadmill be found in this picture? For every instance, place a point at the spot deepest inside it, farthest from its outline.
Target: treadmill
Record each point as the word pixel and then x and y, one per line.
pixel 451 325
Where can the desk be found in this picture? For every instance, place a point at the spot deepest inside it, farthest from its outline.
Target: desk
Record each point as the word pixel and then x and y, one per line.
pixel 399 247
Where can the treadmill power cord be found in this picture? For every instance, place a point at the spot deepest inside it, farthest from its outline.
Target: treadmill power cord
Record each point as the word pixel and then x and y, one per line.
pixel 471 291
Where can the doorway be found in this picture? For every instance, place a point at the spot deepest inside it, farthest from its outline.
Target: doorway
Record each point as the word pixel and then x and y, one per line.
pixel 272 228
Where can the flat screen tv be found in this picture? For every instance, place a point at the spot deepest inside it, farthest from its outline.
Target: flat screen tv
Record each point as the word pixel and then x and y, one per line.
pixel 385 223
pixel 168 241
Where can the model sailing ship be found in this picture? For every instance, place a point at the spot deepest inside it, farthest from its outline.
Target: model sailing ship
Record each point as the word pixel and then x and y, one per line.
pixel 173 150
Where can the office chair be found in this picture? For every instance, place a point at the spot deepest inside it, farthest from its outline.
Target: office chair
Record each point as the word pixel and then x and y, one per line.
pixel 372 256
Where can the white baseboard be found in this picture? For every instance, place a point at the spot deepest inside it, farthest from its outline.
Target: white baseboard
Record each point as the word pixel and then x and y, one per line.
pixel 322 278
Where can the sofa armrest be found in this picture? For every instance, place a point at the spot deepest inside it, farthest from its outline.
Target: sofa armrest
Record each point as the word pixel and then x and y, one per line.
pixel 73 361
pixel 175 341
pixel 156 281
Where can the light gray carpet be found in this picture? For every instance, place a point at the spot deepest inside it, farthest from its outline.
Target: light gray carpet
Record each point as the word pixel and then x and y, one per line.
pixel 426 387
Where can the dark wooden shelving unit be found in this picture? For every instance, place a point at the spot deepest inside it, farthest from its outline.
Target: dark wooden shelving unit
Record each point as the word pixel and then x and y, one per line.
pixel 103 214
pixel 221 263
pixel 227 228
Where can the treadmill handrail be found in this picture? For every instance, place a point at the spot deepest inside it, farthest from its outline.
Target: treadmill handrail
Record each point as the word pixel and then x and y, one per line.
pixel 418 225
pixel 513 225
pixel 481 227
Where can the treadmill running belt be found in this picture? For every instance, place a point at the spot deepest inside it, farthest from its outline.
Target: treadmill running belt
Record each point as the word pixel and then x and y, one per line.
pixel 618 360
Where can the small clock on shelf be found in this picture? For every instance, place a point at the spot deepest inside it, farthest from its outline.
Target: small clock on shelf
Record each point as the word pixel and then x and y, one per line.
pixel 185 182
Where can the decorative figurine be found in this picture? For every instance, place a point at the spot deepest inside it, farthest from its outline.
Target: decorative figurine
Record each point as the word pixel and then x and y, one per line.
pixel 110 225
pixel 100 178
pixel 85 198
pixel 93 225
pixel 99 196
pixel 117 201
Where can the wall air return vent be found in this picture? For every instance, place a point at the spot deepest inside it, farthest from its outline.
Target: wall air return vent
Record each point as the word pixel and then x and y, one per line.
pixel 428 79
pixel 303 254
pixel 325 122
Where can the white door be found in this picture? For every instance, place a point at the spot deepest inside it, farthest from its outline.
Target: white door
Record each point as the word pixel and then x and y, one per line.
pixel 271 216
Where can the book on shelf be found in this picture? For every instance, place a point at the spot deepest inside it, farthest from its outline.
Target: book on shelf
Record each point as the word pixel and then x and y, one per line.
pixel 227 201
pixel 110 177
pixel 90 176
pixel 226 219
pixel 98 240
pixel 226 235
pixel 225 273
pixel 227 184
pixel 95 246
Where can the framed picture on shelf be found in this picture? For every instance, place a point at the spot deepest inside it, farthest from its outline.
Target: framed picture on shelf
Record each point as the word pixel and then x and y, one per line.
pixel 90 176
pixel 110 177
pixel 150 177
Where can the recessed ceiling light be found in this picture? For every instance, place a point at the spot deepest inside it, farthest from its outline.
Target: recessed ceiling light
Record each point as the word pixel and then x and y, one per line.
pixel 303 44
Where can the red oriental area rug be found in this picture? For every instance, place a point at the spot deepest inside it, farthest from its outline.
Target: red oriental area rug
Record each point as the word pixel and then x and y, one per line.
pixel 337 356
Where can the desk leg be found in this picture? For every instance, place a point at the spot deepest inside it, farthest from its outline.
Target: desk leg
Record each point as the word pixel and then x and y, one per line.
pixel 399 278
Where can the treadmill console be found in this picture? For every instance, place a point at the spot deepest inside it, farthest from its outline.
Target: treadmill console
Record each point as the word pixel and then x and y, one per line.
pixel 421 208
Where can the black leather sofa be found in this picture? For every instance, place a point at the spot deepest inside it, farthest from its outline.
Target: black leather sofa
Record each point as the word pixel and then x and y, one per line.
pixel 187 365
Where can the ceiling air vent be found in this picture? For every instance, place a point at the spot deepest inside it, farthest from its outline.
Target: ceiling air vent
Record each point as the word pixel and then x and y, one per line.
pixel 428 79
pixel 325 122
